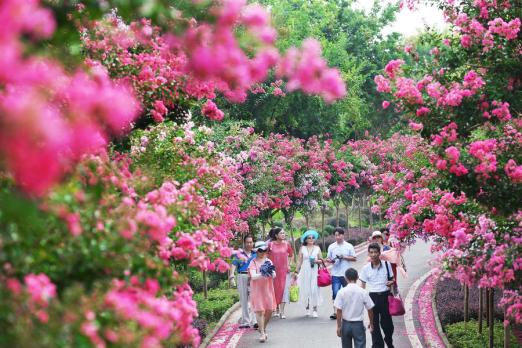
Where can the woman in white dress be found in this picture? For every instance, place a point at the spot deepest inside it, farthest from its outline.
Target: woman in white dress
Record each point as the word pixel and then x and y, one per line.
pixel 306 271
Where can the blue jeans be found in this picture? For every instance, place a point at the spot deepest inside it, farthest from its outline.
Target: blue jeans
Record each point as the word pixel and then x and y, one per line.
pixel 336 285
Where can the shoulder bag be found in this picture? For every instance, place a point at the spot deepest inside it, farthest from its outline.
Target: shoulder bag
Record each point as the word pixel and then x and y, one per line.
pixel 323 276
pixel 395 304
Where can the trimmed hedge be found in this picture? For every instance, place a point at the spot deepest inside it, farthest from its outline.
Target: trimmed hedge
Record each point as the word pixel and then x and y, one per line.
pixel 217 303
pixel 450 302
pixel 464 335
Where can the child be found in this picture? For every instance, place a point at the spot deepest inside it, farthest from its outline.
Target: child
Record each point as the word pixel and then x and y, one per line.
pixel 350 303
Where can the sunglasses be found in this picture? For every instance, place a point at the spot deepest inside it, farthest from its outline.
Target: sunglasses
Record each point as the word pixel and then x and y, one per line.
pixel 261 250
pixel 311 237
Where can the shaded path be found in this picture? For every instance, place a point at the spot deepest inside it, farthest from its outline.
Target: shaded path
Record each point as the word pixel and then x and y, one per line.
pixel 299 331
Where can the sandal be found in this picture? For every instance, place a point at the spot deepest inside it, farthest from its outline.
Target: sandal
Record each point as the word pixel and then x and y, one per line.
pixel 262 337
pixel 283 316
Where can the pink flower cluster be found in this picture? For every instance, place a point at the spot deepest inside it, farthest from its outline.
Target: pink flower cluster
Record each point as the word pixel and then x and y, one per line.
pixel 49 117
pixel 308 71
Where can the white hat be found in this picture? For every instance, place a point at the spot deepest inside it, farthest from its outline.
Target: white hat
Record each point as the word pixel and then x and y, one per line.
pixel 260 245
pixel 377 234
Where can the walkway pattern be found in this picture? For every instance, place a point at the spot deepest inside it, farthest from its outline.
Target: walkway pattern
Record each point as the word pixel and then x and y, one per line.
pixel 299 331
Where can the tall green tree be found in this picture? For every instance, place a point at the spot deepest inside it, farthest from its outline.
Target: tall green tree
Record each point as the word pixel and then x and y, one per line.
pixel 353 41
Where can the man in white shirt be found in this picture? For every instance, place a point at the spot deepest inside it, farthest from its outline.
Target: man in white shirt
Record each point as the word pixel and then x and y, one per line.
pixel 350 303
pixel 378 276
pixel 340 254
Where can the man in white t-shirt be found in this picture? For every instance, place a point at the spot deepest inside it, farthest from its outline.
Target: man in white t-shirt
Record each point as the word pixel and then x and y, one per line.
pixel 340 254
pixel 350 303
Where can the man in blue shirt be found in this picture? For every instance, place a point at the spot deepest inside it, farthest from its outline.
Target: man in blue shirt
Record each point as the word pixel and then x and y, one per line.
pixel 242 281
pixel 340 254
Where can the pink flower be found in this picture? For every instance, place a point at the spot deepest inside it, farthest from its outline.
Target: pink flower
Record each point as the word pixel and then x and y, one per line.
pixel 416 126
pixel 211 111
pixel 40 288
pixel 385 104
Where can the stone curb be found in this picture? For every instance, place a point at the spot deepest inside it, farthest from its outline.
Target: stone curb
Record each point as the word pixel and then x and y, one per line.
pixel 219 325
pixel 441 333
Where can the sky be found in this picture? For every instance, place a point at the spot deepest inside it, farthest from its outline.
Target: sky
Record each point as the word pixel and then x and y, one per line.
pixel 409 22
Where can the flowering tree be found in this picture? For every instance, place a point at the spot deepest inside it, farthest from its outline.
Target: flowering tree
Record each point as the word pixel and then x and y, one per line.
pixel 466 101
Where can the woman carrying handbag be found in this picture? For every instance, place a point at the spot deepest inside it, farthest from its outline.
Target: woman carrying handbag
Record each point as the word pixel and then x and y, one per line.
pixel 306 272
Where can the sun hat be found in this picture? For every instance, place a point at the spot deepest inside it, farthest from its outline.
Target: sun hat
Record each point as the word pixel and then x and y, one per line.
pixel 260 245
pixel 309 233
pixel 377 234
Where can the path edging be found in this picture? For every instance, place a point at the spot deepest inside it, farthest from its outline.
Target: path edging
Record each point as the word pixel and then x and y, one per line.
pixel 441 333
pixel 219 325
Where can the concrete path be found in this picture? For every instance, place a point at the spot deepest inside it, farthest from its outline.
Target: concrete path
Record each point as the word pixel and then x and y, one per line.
pixel 299 331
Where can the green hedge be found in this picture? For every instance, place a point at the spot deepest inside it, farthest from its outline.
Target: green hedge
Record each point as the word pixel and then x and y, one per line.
pixel 217 303
pixel 464 335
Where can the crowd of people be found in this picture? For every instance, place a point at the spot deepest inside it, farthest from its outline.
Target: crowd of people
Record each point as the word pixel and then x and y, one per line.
pixel 264 278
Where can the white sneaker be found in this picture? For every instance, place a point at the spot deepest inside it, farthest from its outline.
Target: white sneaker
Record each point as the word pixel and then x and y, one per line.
pixel 307 312
pixel 314 315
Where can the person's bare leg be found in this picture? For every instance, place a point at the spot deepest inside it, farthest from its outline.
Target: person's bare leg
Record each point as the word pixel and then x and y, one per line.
pixel 283 308
pixel 266 319
pixel 260 322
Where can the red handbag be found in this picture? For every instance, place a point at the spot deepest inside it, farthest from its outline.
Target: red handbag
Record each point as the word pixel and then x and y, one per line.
pixel 323 276
pixel 395 304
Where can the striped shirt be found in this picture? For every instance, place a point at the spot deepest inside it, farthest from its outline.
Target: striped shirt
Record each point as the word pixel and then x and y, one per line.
pixel 376 278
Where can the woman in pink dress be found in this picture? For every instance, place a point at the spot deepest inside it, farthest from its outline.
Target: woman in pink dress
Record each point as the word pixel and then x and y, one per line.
pixel 261 290
pixel 281 254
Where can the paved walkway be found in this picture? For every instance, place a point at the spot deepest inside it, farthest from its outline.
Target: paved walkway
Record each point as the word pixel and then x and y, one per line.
pixel 299 331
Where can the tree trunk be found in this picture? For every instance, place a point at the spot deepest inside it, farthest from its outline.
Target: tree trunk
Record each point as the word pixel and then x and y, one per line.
pixel 491 317
pixel 322 227
pixel 371 214
pixel 337 206
pixel 487 307
pixel 507 330
pixel 481 309
pixel 293 240
pixel 205 292
pixel 466 303
pixel 360 219
pixel 307 219
pixel 380 220
pixel 264 229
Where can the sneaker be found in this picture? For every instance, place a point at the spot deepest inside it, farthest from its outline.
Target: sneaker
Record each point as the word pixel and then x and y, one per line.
pixel 244 327
pixel 307 312
pixel 333 316
pixel 256 326
pixel 314 315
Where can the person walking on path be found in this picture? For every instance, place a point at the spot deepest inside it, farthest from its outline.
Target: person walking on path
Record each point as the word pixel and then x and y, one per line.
pixel 281 254
pixel 262 289
pixel 241 264
pixel 306 271
pixel 378 277
pixel 340 254
pixel 350 303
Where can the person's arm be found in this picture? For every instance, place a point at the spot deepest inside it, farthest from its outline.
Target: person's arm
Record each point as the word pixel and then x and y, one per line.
pixel 232 271
pixel 290 257
pixel 363 284
pixel 351 255
pixel 254 275
pixel 339 318
pixel 329 254
pixel 370 316
pixel 299 262
pixel 363 278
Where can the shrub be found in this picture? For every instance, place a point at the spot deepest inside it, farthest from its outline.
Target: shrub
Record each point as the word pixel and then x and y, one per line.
pixel 303 229
pixel 333 222
pixel 214 280
pixel 217 303
pixel 464 335
pixel 329 229
pixel 201 325
pixel 450 302
pixel 278 224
